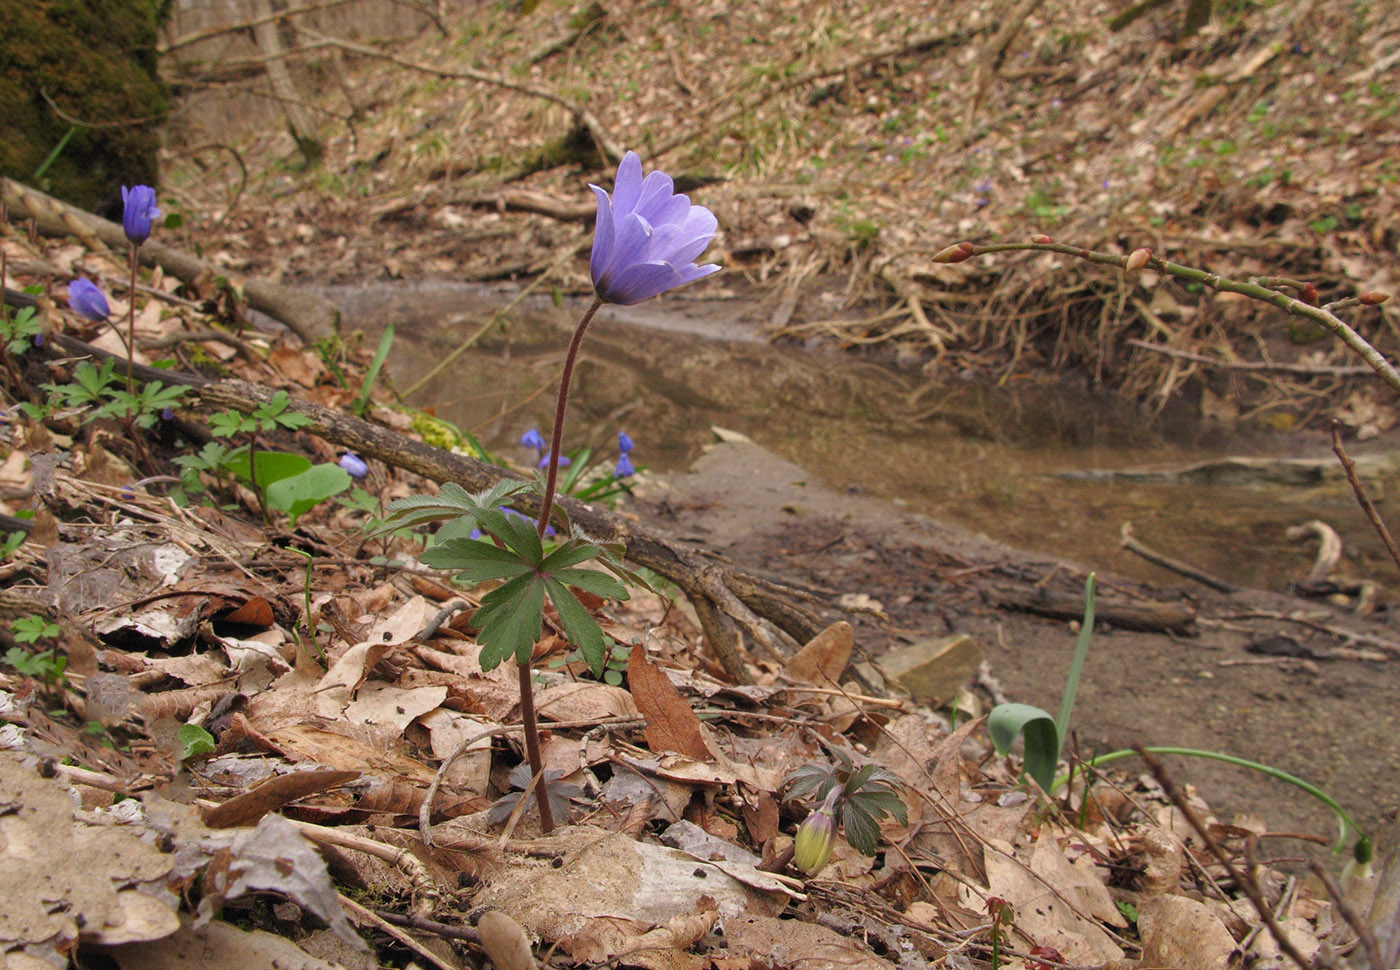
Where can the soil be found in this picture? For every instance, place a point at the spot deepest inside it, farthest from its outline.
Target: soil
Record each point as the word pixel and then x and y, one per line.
pixel 1329 721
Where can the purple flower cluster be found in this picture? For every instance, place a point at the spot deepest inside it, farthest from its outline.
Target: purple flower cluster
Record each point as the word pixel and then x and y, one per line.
pixel 624 468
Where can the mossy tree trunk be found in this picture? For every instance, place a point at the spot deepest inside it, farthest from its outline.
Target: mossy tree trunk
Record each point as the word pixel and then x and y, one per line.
pixel 89 67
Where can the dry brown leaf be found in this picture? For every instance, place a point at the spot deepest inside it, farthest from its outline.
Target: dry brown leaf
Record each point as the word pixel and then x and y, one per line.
pixel 1181 932
pixel 823 660
pixel 583 701
pixel 791 943
pixel 277 791
pixel 505 942
pixel 671 725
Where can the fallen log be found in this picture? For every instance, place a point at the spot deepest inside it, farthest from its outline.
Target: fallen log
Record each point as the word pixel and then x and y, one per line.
pixel 309 316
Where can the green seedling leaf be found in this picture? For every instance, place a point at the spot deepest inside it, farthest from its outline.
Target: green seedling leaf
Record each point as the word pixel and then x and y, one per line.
pixel 385 342
pixel 32 628
pixel 451 502
pixel 297 494
pixel 194 741
pixel 1006 721
pixel 272 466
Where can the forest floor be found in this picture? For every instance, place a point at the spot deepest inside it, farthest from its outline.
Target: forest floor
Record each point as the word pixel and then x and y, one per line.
pixel 156 608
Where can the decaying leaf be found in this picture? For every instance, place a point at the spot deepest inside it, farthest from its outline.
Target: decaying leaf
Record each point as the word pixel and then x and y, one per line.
pixel 823 660
pixel 279 790
pixel 79 878
pixel 505 942
pixel 216 946
pixel 671 725
pixel 275 857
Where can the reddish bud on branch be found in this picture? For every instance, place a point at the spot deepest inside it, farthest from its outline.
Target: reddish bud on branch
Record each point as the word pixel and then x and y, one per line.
pixel 1308 294
pixel 1042 238
pixel 1137 259
pixel 1373 298
pixel 955 253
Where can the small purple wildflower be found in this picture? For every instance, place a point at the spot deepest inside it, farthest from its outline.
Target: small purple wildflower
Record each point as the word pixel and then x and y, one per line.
pixel 167 414
pixel 624 467
pixel 86 299
pixel 533 439
pixel 647 237
pixel 138 212
pixel 624 442
pixel 353 464
pixel 38 340
pixel 564 461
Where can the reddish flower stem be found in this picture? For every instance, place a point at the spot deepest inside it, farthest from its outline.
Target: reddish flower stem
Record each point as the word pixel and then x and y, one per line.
pixel 547 503
pixel 131 324
pixel 527 688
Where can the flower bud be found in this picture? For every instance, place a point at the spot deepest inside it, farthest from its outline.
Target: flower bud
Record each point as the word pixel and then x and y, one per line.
pixel 1373 298
pixel 1042 238
pixel 815 836
pixel 955 253
pixel 1137 259
pixel 353 464
pixel 1308 294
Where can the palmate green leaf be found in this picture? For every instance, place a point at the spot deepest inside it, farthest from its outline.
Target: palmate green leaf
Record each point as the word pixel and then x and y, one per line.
pixel 570 552
pixel 861 830
pixel 475 561
pixel 592 581
pixel 518 533
pixel 509 619
pixel 582 629
pixel 451 502
pixel 877 802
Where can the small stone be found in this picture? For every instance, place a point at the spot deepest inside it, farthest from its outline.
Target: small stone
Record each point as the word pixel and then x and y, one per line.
pixel 934 670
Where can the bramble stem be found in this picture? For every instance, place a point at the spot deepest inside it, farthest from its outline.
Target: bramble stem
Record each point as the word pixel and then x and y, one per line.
pixel 527 695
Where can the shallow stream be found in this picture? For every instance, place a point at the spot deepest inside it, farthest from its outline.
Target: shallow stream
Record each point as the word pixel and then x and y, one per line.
pixel 990 457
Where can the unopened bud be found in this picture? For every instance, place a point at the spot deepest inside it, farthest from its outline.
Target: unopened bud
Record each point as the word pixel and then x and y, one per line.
pixel 811 849
pixel 955 253
pixel 1137 259
pixel 1308 294
pixel 1042 238
pixel 1373 298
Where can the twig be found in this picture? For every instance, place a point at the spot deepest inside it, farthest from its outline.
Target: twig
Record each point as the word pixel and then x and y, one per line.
pixel 1175 565
pixel 1260 367
pixel 1294 307
pixel 241 25
pixel 606 142
pixel 380 923
pixel 1245 880
pixel 1362 498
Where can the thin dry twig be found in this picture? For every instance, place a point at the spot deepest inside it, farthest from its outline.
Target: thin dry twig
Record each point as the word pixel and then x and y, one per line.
pixel 1362 498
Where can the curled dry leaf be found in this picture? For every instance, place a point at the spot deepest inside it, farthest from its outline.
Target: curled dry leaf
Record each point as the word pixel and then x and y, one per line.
pixel 505 942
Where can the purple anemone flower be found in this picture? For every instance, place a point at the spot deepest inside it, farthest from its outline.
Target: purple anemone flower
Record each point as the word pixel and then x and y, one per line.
pixel 138 212
pixel 353 464
pixel 647 237
pixel 624 467
pixel 86 299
